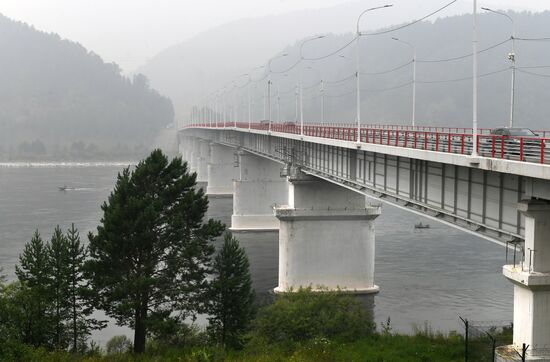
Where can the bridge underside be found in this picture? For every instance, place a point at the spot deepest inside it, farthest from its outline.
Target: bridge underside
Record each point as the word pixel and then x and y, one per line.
pixel 481 202
pixel 500 200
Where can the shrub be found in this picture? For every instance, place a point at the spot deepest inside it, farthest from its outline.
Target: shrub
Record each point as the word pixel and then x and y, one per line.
pixel 304 315
pixel 118 345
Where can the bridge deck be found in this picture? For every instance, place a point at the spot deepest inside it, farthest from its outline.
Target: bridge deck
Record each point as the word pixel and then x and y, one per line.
pixel 438 139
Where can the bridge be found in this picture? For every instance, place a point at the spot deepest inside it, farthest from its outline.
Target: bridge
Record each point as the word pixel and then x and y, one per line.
pixel 312 183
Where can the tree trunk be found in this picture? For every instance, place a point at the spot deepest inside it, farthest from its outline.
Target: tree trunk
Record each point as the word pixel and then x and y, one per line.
pixel 140 329
pixel 75 330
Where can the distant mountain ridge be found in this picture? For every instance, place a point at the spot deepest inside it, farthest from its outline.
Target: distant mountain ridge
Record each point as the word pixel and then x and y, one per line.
pixel 54 93
pixel 189 71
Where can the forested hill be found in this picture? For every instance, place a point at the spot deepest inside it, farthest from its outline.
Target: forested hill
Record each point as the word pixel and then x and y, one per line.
pixel 58 99
pixel 444 68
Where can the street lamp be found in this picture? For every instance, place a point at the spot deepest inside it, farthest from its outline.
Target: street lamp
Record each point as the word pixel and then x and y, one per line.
pixel 302 79
pixel 216 110
pixel 474 82
pixel 269 83
pixel 210 111
pixel 414 78
pixel 247 85
pixel 223 107
pixel 512 58
pixel 255 82
pixel 358 35
pixel 322 89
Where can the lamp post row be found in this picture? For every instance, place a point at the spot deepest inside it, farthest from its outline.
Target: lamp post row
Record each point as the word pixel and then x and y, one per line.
pixel 300 88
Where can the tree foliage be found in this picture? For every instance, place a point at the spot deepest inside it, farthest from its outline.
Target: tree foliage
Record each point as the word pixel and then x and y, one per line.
pixel 54 89
pixel 151 254
pixel 49 306
pixel 33 307
pixel 303 315
pixel 80 302
pixel 232 297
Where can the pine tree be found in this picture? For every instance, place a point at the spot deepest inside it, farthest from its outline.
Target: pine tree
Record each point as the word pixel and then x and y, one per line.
pixel 232 297
pixel 58 283
pixel 33 273
pixel 79 303
pixel 151 254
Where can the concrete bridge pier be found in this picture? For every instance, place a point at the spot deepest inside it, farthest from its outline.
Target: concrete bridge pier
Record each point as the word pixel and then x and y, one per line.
pixel 186 148
pixel 201 158
pixel 326 237
pixel 193 154
pixel 221 171
pixel 256 190
pixel 532 284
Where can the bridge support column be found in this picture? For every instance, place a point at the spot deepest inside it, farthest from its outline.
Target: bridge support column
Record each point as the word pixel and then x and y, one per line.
pixel 256 190
pixel 184 146
pixel 221 170
pixel 201 158
pixel 532 284
pixel 193 154
pixel 326 237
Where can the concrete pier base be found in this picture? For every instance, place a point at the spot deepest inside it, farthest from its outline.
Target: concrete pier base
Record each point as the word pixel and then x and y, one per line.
pixel 326 238
pixel 221 171
pixel 202 158
pixel 257 189
pixel 531 281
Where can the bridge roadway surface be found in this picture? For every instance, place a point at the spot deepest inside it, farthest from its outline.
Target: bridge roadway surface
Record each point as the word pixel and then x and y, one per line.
pixel 427 170
pixel 501 194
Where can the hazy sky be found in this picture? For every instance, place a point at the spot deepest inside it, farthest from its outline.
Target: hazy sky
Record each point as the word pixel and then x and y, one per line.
pixel 129 32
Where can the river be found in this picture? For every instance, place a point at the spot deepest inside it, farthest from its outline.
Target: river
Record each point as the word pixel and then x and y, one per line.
pixel 428 276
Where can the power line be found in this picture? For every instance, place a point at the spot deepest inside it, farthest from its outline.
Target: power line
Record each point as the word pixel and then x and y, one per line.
pixel 381 32
pixel 534 67
pixel 462 56
pixel 413 22
pixel 533 39
pixel 535 74
pixel 334 52
pixel 311 86
pixel 340 95
pixel 389 70
pixel 291 90
pixel 287 69
pixel 462 79
pixel 340 80
pixel 380 90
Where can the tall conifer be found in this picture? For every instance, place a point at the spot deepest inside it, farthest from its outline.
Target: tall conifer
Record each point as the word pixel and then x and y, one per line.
pixel 151 254
pixel 232 297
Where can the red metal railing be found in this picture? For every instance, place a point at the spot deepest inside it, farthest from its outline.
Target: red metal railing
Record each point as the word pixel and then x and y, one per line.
pixel 438 139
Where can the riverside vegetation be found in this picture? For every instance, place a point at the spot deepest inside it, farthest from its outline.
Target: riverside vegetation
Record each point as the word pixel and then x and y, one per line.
pixel 152 265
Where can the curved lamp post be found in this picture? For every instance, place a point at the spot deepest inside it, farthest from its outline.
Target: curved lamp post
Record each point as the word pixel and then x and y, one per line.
pixel 301 86
pixel 358 35
pixel 512 58
pixel 269 83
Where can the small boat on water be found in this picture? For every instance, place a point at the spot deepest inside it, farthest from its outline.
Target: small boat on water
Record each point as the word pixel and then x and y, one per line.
pixel 62 188
pixel 421 226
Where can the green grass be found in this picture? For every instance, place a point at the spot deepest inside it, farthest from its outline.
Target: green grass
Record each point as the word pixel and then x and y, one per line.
pixel 376 348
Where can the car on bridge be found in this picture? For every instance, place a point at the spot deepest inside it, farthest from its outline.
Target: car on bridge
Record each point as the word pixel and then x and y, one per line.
pixel 290 127
pixel 514 143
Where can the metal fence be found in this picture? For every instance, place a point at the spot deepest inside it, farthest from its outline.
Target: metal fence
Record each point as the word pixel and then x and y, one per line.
pixel 482 338
pixel 492 341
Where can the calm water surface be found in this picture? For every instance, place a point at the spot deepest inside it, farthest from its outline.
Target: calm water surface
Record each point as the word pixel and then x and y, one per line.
pixel 430 276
